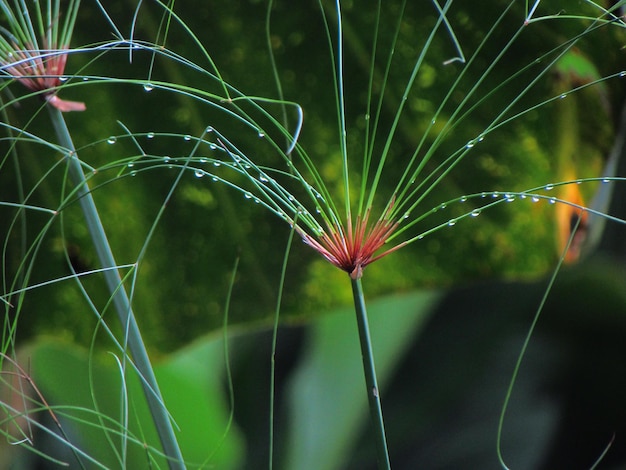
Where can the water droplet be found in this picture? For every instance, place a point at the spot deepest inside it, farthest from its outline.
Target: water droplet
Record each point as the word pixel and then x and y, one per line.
pixel 150 135
pixel 563 95
pixel 85 79
pixel 481 137
pixel 133 173
pixel 263 178
pixel 166 159
pixel 433 121
pixel 367 117
pixel 535 199
pixel 470 144
pixel 215 178
pixel 209 129
pixel 522 196
pixel 203 160
pixel 130 165
pixel 63 79
pixel 495 194
pixel 419 237
pixel 552 200
pixel 247 195
pixel 549 187
pixel 451 222
pixel 622 74
pixel 148 87
pixel 442 206
pixel 257 200
pixel 605 180
pixel 198 173
pixel 406 215
pixel 212 146
pixel 475 213
pixel 261 134
pixel 216 163
pixel 483 194
pixel 463 199
pixel 187 137
pixel 509 197
pixel 111 140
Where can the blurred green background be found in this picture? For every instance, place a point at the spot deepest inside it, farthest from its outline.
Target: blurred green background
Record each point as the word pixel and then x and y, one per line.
pixel 449 312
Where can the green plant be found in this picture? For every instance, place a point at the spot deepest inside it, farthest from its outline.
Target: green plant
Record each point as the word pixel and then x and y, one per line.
pixel 395 169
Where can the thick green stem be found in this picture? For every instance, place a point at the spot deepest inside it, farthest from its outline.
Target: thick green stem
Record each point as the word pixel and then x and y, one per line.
pixel 120 298
pixel 376 413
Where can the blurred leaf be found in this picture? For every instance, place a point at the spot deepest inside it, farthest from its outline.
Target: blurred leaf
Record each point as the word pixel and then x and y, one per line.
pixel 190 383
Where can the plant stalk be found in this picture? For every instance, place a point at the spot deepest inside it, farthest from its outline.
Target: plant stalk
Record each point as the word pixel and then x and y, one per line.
pixel 120 298
pixel 373 396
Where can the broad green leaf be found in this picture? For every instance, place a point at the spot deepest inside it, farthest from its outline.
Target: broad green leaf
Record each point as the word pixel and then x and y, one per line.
pixel 190 384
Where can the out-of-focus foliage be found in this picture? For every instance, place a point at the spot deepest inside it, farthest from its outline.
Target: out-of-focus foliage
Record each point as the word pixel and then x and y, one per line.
pixel 182 280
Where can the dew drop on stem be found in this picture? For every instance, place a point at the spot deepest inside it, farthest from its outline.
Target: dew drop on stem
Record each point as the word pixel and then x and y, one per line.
pixel 549 187
pixel 148 87
pixel 198 173
pixel 150 135
pixel 187 138
pixel 451 222
pixel 111 140
pixel 475 213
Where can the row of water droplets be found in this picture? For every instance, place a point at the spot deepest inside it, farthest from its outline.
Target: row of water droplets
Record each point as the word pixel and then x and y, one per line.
pixel 264 180
pixel 498 197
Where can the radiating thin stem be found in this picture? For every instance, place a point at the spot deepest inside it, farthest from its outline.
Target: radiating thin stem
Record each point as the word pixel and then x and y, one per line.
pixel 120 297
pixel 376 413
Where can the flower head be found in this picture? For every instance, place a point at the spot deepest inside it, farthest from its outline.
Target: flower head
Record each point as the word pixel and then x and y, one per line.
pixel 38 63
pixel 356 247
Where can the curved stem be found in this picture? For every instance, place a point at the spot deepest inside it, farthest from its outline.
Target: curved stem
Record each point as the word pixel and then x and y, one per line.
pixel 373 396
pixel 120 297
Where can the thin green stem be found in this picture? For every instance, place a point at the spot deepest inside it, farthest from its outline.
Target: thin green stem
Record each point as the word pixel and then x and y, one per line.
pixel 120 297
pixel 376 413
pixel 279 301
